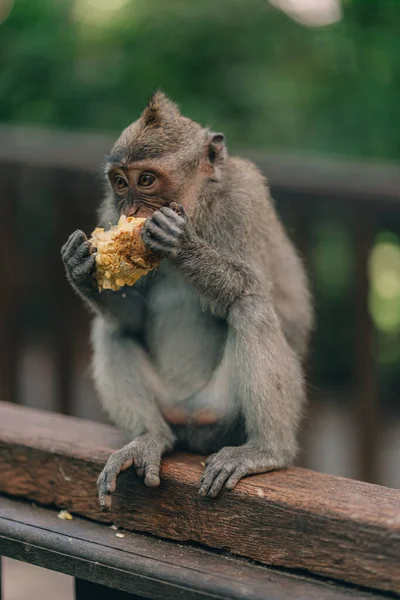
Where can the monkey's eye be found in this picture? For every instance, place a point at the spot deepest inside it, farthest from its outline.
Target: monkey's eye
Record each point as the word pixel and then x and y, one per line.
pixel 120 183
pixel 146 179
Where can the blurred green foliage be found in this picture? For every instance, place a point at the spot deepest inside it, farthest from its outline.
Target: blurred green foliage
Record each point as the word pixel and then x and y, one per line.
pixel 243 67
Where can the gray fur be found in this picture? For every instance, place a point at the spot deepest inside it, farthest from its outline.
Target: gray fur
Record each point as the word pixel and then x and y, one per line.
pixel 222 325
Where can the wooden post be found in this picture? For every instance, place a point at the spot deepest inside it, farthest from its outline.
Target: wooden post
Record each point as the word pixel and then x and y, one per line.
pixel 64 324
pixel 366 392
pixel 10 278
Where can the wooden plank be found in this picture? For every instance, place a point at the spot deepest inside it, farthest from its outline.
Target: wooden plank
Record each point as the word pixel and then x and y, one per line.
pixel 293 518
pixel 88 590
pixel 147 566
pixel 320 176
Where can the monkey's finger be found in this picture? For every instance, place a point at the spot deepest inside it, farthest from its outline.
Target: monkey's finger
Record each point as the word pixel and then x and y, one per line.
pixel 178 209
pixel 236 476
pixel 104 491
pixel 107 481
pixel 152 472
pixel 160 234
pixel 158 247
pixel 209 459
pixel 81 271
pixel 73 242
pixel 105 501
pixel 73 239
pixel 169 226
pixel 151 243
pixel 119 461
pixel 140 471
pixel 219 481
pixel 81 252
pixel 171 214
pixel 210 474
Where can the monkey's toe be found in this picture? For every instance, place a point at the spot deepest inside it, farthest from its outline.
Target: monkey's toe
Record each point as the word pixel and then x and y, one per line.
pixel 152 480
pixel 214 479
pixel 104 493
pixel 143 454
pixel 107 481
pixel 229 465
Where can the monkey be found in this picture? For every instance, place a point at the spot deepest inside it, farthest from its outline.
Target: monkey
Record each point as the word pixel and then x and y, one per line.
pixel 207 351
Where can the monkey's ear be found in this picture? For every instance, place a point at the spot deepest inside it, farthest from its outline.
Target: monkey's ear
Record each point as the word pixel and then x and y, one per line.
pixel 158 109
pixel 216 147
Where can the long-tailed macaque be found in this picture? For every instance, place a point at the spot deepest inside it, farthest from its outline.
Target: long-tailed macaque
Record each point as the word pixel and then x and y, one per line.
pixel 206 351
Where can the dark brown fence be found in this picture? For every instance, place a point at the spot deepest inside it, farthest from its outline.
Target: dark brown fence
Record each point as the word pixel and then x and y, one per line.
pixel 50 184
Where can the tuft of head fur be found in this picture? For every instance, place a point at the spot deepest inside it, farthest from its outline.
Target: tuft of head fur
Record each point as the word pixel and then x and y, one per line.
pixel 160 130
pixel 158 107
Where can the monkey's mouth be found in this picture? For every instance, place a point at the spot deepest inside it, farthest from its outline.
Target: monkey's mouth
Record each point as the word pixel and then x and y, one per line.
pixel 143 207
pixel 139 210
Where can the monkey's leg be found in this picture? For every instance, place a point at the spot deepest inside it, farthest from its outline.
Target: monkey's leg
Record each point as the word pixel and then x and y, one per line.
pixel 129 389
pixel 269 382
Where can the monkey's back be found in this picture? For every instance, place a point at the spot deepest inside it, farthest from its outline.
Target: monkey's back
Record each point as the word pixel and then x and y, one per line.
pixel 273 255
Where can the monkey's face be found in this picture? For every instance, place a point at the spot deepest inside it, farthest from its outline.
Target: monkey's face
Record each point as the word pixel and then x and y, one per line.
pixel 141 187
pixel 162 158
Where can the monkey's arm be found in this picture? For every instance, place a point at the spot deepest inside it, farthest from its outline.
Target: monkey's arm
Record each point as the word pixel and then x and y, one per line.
pixel 218 279
pixel 126 308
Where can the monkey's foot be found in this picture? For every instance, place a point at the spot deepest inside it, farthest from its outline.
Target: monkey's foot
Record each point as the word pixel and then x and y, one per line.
pixel 230 464
pixel 143 453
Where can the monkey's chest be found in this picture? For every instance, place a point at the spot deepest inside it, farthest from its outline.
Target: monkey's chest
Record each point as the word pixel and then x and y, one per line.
pixel 186 345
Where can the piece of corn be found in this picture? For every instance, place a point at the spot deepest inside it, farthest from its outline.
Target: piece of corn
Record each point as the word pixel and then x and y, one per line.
pixel 122 257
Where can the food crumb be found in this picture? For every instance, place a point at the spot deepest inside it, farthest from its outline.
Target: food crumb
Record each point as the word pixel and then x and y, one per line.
pixel 119 535
pixel 203 464
pixel 114 527
pixel 64 515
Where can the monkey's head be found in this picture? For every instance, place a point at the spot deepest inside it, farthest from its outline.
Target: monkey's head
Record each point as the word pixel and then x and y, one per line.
pixel 161 158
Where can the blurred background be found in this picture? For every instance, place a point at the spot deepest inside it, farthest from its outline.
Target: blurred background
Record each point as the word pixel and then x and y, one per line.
pixel 309 89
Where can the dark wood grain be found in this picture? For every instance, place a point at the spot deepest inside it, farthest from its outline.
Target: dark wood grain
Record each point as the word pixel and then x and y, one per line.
pixel 148 566
pixel 293 518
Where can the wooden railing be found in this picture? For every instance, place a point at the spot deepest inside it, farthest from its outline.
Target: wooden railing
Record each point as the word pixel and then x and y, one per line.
pixel 49 186
pixel 301 523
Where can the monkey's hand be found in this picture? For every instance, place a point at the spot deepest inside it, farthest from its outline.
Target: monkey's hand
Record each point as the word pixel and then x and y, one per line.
pixel 79 263
pixel 144 453
pixel 230 464
pixel 168 231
